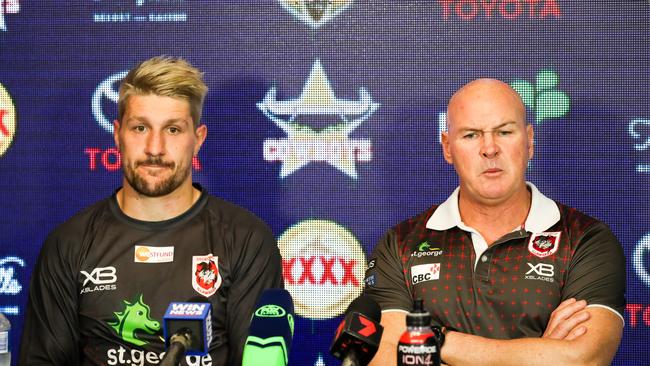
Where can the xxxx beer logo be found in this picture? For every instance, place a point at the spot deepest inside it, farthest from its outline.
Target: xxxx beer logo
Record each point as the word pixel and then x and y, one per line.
pixel 323 266
pixel 7 120
pixel 315 13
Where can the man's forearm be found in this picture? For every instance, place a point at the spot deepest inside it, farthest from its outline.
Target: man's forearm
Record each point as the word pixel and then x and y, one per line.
pixel 596 347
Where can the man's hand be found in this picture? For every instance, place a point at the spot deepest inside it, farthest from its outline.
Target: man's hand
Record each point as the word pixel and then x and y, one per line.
pixel 566 321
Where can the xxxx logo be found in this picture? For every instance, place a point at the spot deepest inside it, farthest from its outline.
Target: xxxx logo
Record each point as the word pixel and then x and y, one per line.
pixel 543 97
pixel 315 13
pixel 134 318
pixel 7 120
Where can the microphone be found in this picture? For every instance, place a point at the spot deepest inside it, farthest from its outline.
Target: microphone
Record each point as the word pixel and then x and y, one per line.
pixel 187 329
pixel 271 330
pixel 357 337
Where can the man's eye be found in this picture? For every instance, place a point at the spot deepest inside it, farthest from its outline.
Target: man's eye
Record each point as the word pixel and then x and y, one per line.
pixel 140 128
pixel 504 132
pixel 174 130
pixel 470 135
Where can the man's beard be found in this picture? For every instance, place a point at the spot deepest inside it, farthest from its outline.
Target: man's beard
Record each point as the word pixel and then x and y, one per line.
pixel 158 189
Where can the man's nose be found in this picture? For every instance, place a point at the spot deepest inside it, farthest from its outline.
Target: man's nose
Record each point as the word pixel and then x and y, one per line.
pixel 489 147
pixel 155 144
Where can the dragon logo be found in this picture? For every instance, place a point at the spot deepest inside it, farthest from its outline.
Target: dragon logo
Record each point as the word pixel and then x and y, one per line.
pixel 544 244
pixel 134 317
pixel 206 278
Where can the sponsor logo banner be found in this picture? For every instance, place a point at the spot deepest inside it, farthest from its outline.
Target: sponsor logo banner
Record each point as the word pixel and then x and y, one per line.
pixel 9 284
pixel 639 131
pixel 305 144
pixel 315 13
pixel 638 315
pixel 640 257
pixel 140 11
pixel 7 7
pixel 147 254
pixel 470 10
pixel 206 278
pixel 425 272
pixel 323 266
pixel 544 244
pixel 8 122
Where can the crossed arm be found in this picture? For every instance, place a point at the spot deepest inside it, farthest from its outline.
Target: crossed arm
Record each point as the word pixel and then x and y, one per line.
pixel 575 335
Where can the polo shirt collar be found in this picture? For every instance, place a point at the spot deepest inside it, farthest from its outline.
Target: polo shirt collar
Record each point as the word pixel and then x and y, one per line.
pixel 543 213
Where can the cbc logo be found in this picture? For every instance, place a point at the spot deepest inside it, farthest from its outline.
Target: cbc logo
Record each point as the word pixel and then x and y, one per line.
pixel 323 266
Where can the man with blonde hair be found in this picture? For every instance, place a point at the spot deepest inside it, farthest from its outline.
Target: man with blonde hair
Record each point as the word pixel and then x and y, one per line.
pixel 511 276
pixel 105 277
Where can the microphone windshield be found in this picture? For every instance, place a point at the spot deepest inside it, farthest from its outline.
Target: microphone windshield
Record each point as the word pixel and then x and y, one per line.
pixel 271 329
pixel 193 320
pixel 365 305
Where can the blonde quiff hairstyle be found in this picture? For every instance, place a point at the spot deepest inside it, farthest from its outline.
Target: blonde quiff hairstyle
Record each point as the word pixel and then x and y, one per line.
pixel 165 76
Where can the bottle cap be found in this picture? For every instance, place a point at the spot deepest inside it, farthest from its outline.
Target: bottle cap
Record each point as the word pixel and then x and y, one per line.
pixel 418 317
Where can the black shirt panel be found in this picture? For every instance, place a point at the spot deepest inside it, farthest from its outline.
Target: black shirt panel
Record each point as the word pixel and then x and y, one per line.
pixel 87 280
pixel 508 292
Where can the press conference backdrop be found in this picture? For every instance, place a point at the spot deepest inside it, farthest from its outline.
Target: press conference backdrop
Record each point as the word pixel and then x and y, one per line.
pixel 324 119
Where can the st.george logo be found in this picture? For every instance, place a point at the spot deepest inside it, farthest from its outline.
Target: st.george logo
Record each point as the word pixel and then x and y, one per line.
pixel 133 319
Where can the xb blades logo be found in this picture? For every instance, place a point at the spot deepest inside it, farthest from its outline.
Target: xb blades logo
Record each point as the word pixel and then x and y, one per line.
pixel 315 13
pixel 100 276
pixel 543 97
pixel 541 269
pixel 305 144
pixel 106 89
pixel 7 7
pixel 134 317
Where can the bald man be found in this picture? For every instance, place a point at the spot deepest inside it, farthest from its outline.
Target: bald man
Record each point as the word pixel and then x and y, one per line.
pixel 511 276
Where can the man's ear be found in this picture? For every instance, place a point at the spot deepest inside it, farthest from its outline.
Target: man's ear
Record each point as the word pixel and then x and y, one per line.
pixel 116 129
pixel 531 141
pixel 201 133
pixel 446 150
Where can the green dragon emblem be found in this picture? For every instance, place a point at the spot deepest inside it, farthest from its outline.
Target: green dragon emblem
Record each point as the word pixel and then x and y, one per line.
pixel 423 247
pixel 134 317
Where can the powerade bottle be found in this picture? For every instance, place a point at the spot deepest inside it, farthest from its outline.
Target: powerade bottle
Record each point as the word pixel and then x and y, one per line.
pixel 418 346
pixel 5 352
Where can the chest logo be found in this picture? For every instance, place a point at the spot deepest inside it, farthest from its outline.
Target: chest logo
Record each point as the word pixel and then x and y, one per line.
pixel 134 318
pixel 147 254
pixel 206 278
pixel 425 272
pixel 544 244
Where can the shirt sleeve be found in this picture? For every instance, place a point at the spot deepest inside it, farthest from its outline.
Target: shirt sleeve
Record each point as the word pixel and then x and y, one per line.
pixel 257 268
pixel 50 334
pixel 597 270
pixel 385 277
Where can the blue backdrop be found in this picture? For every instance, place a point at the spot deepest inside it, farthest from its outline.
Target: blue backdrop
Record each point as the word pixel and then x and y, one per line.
pixel 324 119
